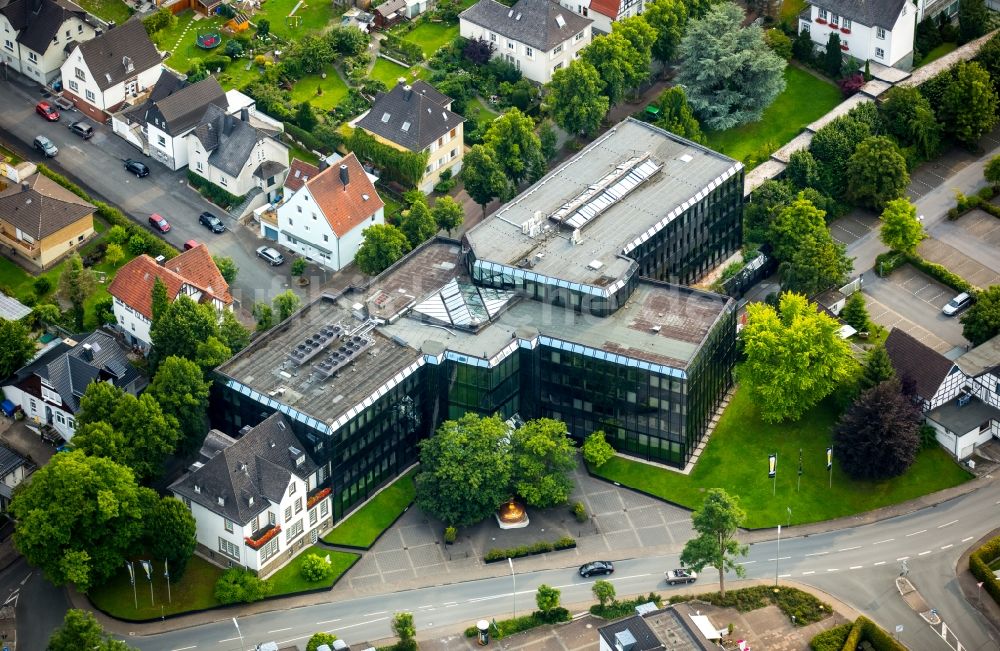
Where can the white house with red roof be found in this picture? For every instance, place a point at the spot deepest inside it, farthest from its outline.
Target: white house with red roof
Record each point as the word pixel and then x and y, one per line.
pixel 324 220
pixel 192 273
pixel 604 12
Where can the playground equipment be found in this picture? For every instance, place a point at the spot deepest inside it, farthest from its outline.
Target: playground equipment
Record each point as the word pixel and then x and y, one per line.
pixel 209 40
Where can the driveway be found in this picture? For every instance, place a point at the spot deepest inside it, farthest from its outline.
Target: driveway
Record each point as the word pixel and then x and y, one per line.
pixel 96 165
pixel 910 300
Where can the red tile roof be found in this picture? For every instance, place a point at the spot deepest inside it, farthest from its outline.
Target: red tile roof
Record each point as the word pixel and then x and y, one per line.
pixel 607 7
pixel 298 173
pixel 133 284
pixel 345 208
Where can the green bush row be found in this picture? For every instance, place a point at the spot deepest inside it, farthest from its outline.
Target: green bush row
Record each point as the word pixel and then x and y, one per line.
pixel 847 637
pixel 979 561
pixel 886 263
pixel 617 609
pixel 832 639
pixel 309 140
pixel 507 627
pixel 806 608
pixel 212 192
pixel 940 274
pixel 541 547
pixel 151 244
pixel 965 203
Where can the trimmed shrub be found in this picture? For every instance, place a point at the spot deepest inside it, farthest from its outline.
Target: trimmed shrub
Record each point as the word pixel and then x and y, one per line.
pixel 540 547
pixel 979 561
pixel 806 608
pixel 315 568
pixel 832 639
pixel 212 192
pixel 507 627
pixel 940 274
pixel 580 512
pixel 238 585
pixel 617 609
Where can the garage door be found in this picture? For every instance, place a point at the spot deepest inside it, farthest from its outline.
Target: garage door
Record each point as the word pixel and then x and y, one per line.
pixel 270 233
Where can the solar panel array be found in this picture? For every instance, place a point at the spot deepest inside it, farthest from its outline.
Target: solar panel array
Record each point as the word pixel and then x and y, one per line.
pixel 314 344
pixel 348 350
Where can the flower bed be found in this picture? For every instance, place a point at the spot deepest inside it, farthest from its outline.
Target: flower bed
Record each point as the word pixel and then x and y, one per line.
pixel 317 498
pixel 260 542
pixel 542 547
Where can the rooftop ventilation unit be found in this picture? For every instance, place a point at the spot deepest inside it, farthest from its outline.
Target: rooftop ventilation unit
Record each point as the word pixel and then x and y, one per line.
pixel 594 265
pixel 338 359
pixel 314 344
pixel 686 158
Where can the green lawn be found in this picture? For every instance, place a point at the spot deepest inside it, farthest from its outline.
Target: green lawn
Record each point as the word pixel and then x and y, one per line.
pixel 389 73
pixel 183 49
pixel 736 460
pixel 111 10
pixel 365 525
pixel 432 36
pixel 334 90
pixel 476 110
pixel 289 579
pixel 317 16
pixel 938 52
pixel 302 154
pixel 790 10
pixel 195 590
pixel 804 100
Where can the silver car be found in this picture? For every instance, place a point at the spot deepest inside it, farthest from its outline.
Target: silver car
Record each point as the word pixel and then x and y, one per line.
pixel 957 304
pixel 45 145
pixel 272 256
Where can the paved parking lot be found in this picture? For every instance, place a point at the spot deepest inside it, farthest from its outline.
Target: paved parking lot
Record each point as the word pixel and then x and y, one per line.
pixel 929 176
pixel 853 226
pixel 910 300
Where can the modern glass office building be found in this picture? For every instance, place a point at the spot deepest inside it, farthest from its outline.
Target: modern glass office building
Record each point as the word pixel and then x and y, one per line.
pixel 553 307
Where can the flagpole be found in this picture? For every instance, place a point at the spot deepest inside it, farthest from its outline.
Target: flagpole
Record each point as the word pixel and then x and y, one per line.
pixel 148 566
pixel 131 574
pixel 166 574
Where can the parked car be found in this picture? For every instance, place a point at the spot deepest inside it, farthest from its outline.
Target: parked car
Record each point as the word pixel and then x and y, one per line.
pixel 213 223
pixel 190 244
pixel 680 575
pixel 47 111
pixel 136 167
pixel 272 256
pixel 82 129
pixel 159 224
pixel 957 304
pixel 596 568
pixel 46 146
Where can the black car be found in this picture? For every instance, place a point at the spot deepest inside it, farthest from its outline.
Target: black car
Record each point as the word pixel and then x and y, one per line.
pixel 136 167
pixel 82 129
pixel 596 568
pixel 211 222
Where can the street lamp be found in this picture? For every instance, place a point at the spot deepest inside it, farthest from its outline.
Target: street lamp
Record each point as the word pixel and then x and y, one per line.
pixel 242 644
pixel 513 582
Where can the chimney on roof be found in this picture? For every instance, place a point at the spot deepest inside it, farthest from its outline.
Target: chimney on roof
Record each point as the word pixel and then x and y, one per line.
pixel 323 164
pixel 88 352
pixel 228 125
pixel 245 114
pixel 407 92
pixel 25 186
pixel 344 176
pixel 160 260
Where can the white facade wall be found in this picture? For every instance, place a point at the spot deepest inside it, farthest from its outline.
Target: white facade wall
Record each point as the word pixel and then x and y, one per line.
pixel 78 79
pixel 133 324
pixel 170 150
pixel 42 411
pixel 964 445
pixel 265 149
pixel 444 153
pixel 43 67
pixel 892 47
pixel 534 64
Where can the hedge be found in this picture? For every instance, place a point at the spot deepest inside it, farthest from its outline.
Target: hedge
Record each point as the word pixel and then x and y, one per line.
pixel 153 245
pixel 617 609
pixel 212 192
pixel 404 167
pixel 541 547
pixel 979 561
pixel 507 627
pixel 847 637
pixel 965 203
pixel 940 274
pixel 309 140
pixel 806 608
pixel 832 639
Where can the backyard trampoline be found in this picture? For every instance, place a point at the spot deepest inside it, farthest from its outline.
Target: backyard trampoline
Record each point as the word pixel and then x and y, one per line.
pixel 209 40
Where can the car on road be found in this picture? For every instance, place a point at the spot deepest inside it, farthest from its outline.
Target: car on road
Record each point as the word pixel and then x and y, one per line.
pixel 136 167
pixel 47 111
pixel 46 146
pixel 596 568
pixel 159 224
pixel 211 222
pixel 82 129
pixel 272 256
pixel 680 575
pixel 957 304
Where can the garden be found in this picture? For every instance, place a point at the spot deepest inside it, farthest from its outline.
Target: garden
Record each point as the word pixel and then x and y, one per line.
pixel 363 527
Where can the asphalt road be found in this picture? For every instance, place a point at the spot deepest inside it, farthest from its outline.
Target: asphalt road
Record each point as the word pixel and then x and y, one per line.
pixel 96 165
pixel 858 565
pixel 40 606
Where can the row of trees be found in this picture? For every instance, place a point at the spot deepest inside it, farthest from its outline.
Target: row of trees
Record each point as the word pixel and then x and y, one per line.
pixel 384 244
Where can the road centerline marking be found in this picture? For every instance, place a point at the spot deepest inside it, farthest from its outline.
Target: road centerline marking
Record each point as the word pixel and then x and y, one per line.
pixel 884 541
pixel 328 621
pixel 947 524
pixel 924 553
pixel 879 563
pixel 903 558
pixel 849 549
pixel 946 547
pixel 856 567
pixel 916 533
pixel 967 539
pixel 817 554
pixel 809 572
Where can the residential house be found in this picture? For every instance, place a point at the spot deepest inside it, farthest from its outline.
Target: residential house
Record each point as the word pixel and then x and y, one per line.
pixel 604 12
pixel 257 500
pixel 537 36
pixel 323 220
pixel 101 74
pixel 38 34
pixel 417 118
pixel 237 156
pixel 41 221
pixel 878 30
pixel 960 399
pixel 192 273
pixel 13 469
pixel 49 389
pixel 677 627
pixel 298 173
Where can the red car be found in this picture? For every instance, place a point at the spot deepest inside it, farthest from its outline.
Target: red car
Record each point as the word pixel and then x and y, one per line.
pixel 159 224
pixel 47 111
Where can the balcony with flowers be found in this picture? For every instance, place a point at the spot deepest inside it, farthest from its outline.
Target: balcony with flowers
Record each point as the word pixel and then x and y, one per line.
pixel 261 538
pixel 317 496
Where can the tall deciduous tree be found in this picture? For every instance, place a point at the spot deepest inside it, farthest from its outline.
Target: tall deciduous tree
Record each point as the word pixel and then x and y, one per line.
pixel 811 260
pixel 16 346
pixel 596 449
pixel 543 458
pixel 876 172
pixel 170 534
pixel 182 392
pixel 716 523
pixel 802 170
pixel 616 60
pixel 576 98
pixel 76 284
pixel 981 322
pixel 160 300
pixel 730 73
pixel 81 630
pixel 465 470
pixel 517 149
pixel 417 224
pixel 901 230
pixel 876 369
pixel 676 115
pixel 448 214
pixel 669 18
pixel 768 201
pixel 182 327
pixel 232 333
pixel 483 177
pixel 876 438
pixel 794 357
pixel 210 353
pixel 908 116
pixel 384 244
pixel 969 104
pixel 286 303
pixel 78 518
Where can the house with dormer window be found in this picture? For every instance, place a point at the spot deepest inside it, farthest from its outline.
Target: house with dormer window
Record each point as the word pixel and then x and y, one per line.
pixel 36 35
pixel 538 37
pixel 257 500
pixel 881 31
pixel 101 74
pixel 604 12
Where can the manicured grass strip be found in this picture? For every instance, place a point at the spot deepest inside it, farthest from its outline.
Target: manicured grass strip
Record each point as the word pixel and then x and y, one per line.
pixel 432 36
pixel 805 99
pixel 334 90
pixel 288 580
pixel 736 460
pixel 114 11
pixel 193 591
pixel 389 73
pixel 938 52
pixel 365 525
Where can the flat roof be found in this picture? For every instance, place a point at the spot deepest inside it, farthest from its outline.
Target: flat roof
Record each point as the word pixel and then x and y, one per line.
pixel 962 420
pixel 683 169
